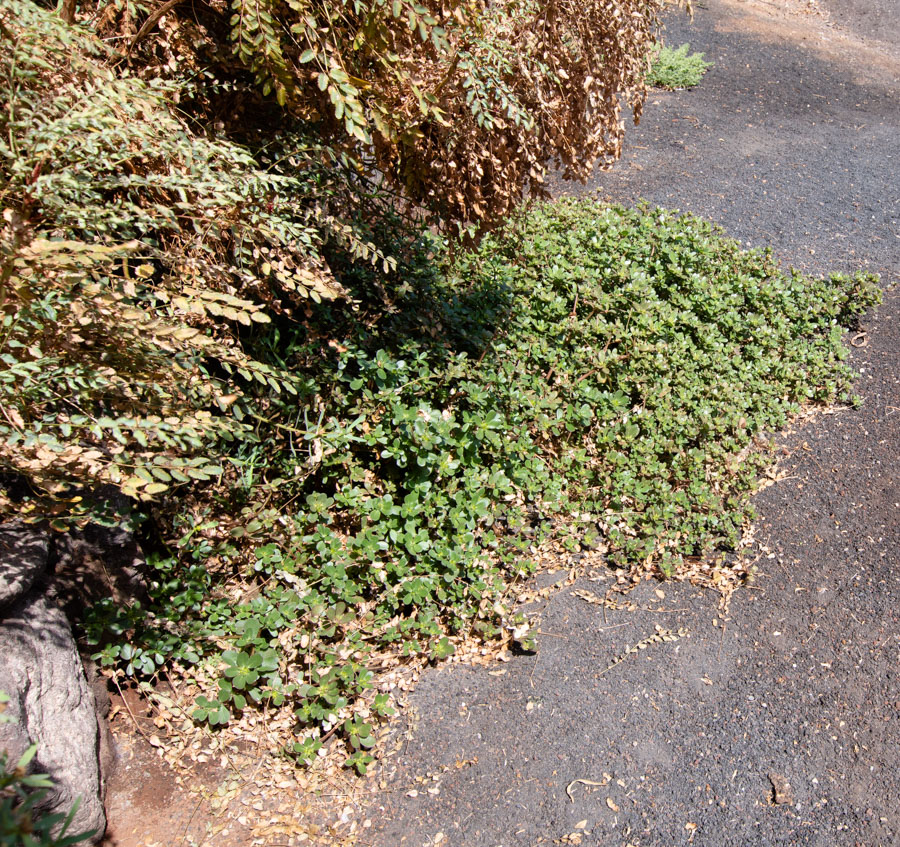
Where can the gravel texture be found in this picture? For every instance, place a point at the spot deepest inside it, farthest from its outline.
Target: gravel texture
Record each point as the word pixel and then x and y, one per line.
pixel 781 724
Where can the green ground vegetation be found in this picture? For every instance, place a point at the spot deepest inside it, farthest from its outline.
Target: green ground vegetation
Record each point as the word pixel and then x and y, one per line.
pixel 590 373
pixel 22 822
pixel 675 68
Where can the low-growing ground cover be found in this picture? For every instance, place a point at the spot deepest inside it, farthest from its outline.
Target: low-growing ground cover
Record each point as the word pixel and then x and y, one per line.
pixel 595 374
pixel 676 67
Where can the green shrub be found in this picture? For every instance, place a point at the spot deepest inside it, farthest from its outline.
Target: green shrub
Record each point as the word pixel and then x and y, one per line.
pixel 590 373
pixel 134 254
pixel 676 68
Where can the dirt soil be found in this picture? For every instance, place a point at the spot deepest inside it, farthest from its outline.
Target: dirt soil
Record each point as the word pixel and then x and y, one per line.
pixel 780 723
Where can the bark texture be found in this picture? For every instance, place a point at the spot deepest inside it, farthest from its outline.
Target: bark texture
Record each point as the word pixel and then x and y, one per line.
pixel 51 703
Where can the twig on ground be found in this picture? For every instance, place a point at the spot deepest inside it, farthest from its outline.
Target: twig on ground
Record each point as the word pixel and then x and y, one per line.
pixel 137 726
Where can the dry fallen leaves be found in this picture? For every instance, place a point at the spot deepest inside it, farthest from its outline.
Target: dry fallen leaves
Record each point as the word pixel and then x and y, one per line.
pixel 782 792
pixel 574 782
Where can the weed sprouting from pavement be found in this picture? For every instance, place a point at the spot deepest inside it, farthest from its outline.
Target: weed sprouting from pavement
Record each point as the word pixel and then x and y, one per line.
pixel 676 68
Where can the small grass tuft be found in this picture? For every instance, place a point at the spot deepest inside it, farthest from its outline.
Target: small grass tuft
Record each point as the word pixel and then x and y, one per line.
pixel 676 68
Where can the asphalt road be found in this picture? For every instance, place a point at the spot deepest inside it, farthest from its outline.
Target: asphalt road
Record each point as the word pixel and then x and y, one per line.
pixel 781 723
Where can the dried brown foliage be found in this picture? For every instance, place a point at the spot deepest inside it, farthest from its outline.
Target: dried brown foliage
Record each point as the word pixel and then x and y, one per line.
pixel 460 106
